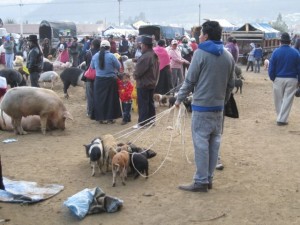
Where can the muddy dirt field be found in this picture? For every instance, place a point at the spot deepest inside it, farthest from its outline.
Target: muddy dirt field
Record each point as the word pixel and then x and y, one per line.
pixel 258 186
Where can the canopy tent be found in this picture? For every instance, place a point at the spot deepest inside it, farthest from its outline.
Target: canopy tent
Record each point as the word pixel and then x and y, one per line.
pixel 119 31
pixel 269 32
pixel 226 25
pixel 139 23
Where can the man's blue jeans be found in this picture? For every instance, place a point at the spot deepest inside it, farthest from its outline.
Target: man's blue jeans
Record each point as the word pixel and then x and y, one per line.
pixel 206 133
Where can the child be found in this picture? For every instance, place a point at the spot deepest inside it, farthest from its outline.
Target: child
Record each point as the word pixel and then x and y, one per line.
pixel 125 92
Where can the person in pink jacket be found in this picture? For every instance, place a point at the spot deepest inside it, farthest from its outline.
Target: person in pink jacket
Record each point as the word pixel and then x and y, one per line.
pixel 176 65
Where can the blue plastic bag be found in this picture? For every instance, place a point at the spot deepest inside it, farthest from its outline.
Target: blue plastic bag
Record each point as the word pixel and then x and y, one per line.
pixel 90 201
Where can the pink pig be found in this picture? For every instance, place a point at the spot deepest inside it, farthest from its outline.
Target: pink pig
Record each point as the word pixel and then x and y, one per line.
pixel 25 101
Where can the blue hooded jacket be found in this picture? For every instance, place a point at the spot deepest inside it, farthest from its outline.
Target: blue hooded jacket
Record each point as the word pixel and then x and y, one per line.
pixel 213 47
pixel 210 77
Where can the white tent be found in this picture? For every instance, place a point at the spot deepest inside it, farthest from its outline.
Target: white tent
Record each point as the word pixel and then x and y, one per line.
pixel 227 26
pixel 118 32
pixel 139 23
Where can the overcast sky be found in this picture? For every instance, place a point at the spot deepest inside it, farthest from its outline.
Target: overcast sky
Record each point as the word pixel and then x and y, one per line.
pixel 181 12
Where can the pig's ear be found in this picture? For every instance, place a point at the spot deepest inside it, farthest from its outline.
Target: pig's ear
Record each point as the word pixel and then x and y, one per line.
pixel 68 115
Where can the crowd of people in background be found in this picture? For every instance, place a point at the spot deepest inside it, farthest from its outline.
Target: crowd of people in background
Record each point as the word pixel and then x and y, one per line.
pixel 174 57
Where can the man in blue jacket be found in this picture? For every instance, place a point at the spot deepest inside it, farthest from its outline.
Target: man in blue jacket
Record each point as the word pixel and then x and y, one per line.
pixel 210 78
pixel 258 54
pixel 284 71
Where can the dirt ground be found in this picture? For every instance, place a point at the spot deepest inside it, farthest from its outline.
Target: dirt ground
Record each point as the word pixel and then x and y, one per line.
pixel 259 185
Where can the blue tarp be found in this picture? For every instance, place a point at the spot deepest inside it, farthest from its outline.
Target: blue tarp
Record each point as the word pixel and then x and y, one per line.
pixel 267 29
pixel 27 192
pixel 270 32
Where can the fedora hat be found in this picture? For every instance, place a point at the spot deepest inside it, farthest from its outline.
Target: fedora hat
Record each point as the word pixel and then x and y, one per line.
pixel 32 37
pixel 147 40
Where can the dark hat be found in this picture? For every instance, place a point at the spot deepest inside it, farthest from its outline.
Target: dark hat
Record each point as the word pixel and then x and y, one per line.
pixel 285 37
pixel 32 37
pixel 185 40
pixel 161 43
pixel 147 40
pixel 75 38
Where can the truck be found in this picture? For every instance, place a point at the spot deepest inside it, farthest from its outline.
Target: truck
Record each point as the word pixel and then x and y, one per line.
pixel 257 33
pixel 162 32
pixel 196 31
pixel 54 30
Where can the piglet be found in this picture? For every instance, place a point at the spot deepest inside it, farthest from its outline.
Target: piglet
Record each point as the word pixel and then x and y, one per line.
pixel 95 152
pixel 49 76
pixel 13 77
pixel 47 66
pixel 139 164
pixel 120 163
pixel 71 76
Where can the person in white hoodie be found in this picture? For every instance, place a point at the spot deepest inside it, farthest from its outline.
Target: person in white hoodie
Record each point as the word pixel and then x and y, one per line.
pixel 251 58
pixel 211 78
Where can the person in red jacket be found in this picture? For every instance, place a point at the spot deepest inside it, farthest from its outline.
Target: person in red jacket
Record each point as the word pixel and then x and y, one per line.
pixel 113 44
pixel 125 92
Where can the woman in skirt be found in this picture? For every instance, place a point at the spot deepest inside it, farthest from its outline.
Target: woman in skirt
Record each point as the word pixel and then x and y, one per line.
pixel 106 97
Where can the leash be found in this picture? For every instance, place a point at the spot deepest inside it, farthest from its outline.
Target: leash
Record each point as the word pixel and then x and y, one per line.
pixel 179 123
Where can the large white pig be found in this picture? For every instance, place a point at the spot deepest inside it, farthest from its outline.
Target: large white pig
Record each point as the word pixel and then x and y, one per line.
pixel 25 101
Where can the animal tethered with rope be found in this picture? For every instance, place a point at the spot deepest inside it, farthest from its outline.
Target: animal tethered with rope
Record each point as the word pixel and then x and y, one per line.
pixel 138 135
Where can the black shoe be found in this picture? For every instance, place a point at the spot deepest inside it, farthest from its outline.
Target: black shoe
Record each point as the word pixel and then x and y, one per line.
pixel 209 186
pixel 194 187
pixel 282 123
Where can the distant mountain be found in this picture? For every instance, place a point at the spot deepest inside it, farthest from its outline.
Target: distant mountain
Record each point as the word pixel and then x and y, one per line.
pixel 165 12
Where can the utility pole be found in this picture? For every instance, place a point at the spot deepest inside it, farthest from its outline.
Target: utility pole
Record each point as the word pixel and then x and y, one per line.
pixel 199 14
pixel 21 17
pixel 119 12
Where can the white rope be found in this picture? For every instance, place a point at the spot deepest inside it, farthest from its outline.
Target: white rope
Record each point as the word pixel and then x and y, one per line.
pixel 155 118
pixel 162 163
pixel 178 123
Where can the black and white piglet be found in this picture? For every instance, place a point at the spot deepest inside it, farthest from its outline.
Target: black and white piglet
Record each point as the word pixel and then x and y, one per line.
pixel 95 152
pixel 71 76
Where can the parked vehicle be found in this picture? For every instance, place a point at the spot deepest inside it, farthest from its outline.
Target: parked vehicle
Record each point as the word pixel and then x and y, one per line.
pixel 257 33
pixel 162 32
pixel 54 30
